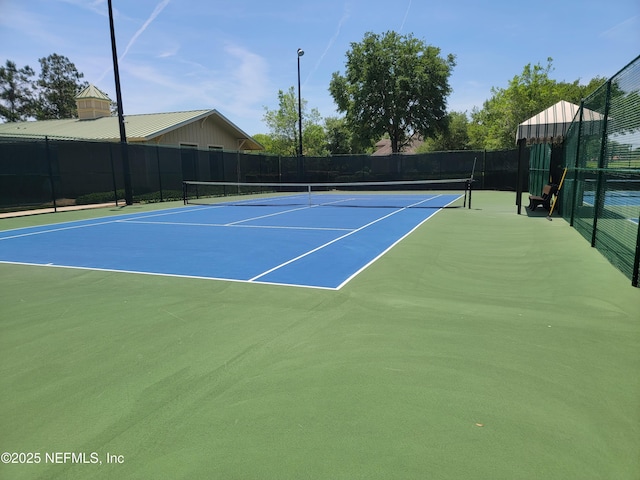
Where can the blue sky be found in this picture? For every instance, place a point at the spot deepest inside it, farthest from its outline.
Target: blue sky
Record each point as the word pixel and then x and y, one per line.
pixel 234 55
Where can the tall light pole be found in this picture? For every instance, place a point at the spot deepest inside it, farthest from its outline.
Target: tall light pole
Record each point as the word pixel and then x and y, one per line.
pixel 300 53
pixel 128 191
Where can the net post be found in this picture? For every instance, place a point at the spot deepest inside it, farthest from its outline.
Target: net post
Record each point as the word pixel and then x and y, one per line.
pixel 470 180
pixel 466 188
pixel 309 191
pixel 184 192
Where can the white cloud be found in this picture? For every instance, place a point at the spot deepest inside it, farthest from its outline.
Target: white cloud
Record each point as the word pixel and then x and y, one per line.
pixel 171 52
pixel 144 26
pixel 345 16
pixel 406 14
pixel 250 71
pixel 626 30
pixel 238 88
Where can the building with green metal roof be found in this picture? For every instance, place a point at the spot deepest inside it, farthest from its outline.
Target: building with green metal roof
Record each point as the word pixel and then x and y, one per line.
pixel 196 129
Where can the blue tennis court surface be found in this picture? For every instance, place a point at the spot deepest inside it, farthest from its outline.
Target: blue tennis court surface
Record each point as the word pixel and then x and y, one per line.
pixel 307 246
pixel 615 198
pixel 624 201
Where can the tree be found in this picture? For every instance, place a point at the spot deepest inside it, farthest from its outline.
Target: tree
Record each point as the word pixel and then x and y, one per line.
pixel 264 140
pixel 455 135
pixel 339 137
pixel 283 124
pixel 16 92
pixel 59 83
pixel 395 85
pixel 495 125
pixel 314 137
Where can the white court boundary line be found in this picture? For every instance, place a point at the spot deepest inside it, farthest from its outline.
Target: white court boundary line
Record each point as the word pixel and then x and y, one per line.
pixel 155 274
pixel 356 273
pixel 90 222
pixel 277 267
pixel 255 279
pixel 115 219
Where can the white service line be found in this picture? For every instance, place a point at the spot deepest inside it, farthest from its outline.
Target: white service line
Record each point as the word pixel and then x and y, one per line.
pixel 269 215
pixel 178 212
pixel 116 219
pixel 57 229
pixel 189 224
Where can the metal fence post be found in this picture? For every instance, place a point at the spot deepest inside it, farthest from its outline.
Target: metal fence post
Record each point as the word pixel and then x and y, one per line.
pixel 575 165
pixel 522 143
pixel 636 261
pixel 159 172
pixel 598 204
pixel 113 175
pixel 50 167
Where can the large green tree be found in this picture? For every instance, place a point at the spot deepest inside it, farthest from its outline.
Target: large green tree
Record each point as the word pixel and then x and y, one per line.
pixel 494 126
pixel 58 84
pixel 17 98
pixel 283 126
pixel 394 85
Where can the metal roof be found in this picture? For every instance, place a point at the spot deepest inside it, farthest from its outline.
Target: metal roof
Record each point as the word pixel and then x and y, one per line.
pixel 93 92
pixel 139 128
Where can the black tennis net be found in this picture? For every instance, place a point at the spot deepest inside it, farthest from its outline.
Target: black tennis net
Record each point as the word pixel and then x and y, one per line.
pixel 394 194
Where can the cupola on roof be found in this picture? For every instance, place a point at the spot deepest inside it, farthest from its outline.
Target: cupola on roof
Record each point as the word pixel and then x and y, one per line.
pixel 92 103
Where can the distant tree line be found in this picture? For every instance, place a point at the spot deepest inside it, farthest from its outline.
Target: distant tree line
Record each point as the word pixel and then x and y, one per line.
pixel 51 95
pixel 394 87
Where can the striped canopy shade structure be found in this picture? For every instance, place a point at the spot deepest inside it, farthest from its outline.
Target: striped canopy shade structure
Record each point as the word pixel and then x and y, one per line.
pixel 547 127
pixel 550 125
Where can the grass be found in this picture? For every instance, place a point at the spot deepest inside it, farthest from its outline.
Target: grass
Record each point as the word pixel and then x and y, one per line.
pixel 485 345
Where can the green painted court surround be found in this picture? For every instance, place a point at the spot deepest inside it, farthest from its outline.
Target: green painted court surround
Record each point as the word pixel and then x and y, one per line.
pixel 485 345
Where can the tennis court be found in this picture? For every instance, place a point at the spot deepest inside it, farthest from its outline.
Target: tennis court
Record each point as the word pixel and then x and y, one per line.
pixel 287 241
pixel 620 200
pixel 484 345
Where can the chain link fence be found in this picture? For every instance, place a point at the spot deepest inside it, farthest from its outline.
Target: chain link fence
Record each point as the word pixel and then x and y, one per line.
pixel 54 173
pixel 601 194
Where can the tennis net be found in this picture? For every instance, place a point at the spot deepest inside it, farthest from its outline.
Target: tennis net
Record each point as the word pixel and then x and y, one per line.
pixel 394 194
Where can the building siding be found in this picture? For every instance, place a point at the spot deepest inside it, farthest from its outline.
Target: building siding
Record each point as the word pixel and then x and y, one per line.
pixel 203 133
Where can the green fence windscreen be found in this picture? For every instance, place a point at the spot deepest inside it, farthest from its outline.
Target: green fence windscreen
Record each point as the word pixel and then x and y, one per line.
pixel 38 173
pixel 539 167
